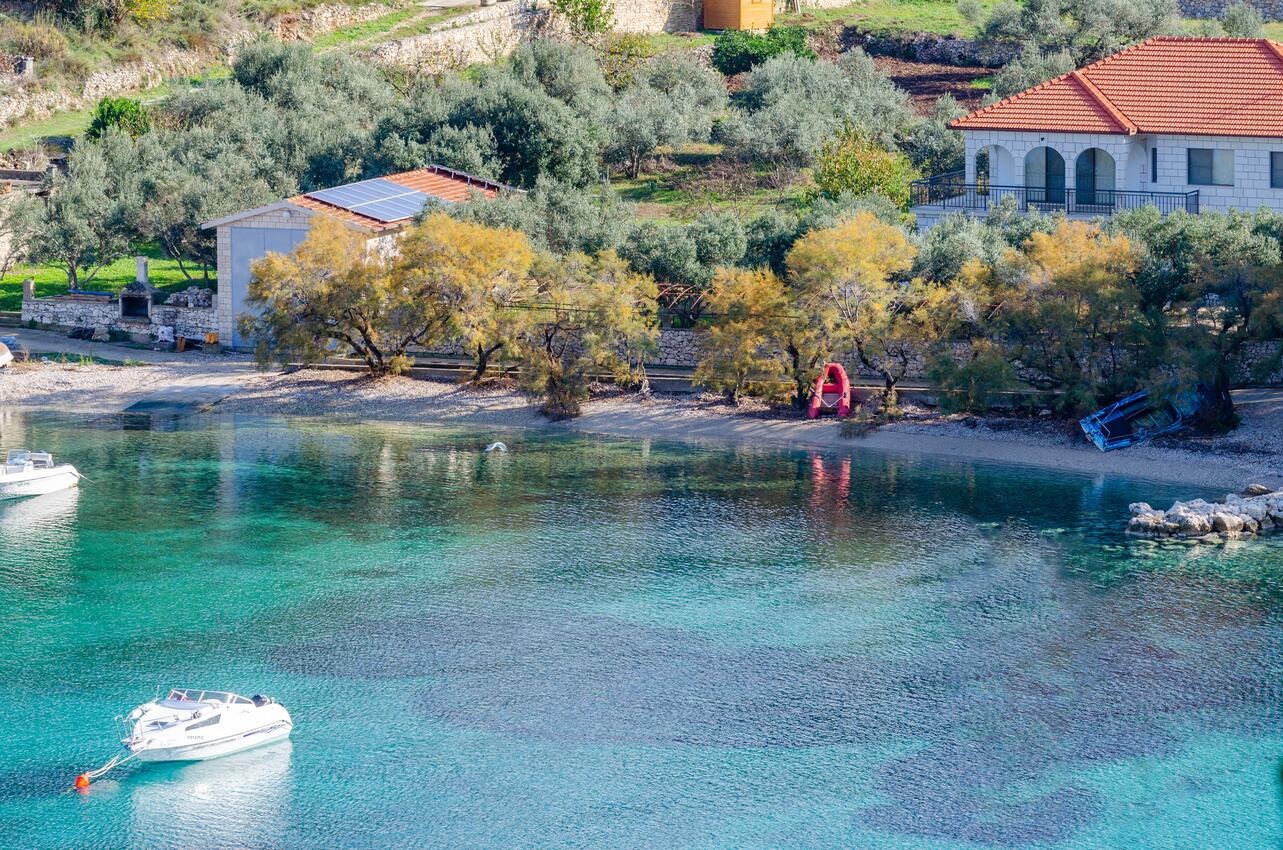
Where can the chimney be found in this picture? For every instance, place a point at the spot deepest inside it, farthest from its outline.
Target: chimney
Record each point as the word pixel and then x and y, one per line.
pixel 140 273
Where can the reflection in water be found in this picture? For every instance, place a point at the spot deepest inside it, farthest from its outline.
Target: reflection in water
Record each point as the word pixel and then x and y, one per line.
pixel 37 538
pixel 237 801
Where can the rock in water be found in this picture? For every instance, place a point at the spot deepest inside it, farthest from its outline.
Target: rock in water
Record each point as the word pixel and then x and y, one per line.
pixel 1255 512
pixel 1256 490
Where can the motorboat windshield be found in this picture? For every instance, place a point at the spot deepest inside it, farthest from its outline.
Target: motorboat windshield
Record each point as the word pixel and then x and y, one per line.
pixel 185 698
pixel 26 458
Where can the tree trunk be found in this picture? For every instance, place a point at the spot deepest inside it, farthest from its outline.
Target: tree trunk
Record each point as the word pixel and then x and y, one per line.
pixel 1216 415
pixel 483 361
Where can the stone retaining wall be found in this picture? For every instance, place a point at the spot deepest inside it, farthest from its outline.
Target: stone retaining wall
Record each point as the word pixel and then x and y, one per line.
pixel 682 348
pixel 1271 10
pixel 481 36
pixel 306 24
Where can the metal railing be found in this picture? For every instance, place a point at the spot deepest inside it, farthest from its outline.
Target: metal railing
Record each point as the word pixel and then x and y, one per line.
pixel 951 192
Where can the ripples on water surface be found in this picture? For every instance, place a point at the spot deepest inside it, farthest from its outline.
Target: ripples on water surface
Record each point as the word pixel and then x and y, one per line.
pixel 605 643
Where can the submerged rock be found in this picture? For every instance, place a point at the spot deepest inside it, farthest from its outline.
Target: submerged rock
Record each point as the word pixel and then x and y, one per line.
pixel 1257 511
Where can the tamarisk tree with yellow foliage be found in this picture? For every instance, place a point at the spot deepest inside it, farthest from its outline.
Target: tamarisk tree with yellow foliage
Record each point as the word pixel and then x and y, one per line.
pixel 761 343
pixel 849 282
pixel 1069 313
pixel 480 274
pixel 447 278
pixel 590 315
pixel 741 354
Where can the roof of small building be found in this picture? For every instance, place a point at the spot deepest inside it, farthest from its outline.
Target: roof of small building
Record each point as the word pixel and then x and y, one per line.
pixel 1165 84
pixel 444 184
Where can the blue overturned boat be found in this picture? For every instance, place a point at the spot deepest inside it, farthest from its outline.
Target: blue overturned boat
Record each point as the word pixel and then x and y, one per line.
pixel 1139 417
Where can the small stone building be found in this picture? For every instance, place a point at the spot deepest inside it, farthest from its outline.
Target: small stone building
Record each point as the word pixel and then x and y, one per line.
pixel 379 208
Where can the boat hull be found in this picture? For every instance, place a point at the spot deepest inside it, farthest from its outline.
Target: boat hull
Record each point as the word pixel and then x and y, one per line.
pixel 219 747
pixel 39 482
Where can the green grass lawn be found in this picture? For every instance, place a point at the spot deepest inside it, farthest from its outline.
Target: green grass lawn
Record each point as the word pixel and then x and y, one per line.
pixel 937 16
pixel 164 273
pixel 679 195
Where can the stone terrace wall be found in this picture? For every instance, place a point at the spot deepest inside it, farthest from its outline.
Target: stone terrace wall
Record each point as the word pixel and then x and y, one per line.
pixel 480 36
pixel 1272 10
pixel 682 348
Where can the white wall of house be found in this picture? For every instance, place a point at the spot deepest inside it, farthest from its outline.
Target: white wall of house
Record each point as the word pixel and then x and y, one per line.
pixel 1131 155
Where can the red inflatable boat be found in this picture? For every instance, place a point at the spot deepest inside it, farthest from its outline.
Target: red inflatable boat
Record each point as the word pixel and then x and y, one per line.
pixel 832 392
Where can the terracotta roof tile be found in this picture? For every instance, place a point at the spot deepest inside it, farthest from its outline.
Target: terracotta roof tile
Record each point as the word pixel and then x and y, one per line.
pixel 1167 84
pixel 435 180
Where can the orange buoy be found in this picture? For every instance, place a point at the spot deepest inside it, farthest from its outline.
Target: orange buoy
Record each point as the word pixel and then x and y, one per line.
pixel 82 781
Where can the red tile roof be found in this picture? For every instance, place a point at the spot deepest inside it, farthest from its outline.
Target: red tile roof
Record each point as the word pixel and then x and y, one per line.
pixel 435 180
pixel 1166 84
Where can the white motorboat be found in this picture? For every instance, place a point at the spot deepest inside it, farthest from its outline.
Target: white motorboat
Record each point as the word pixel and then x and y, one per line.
pixel 6 356
pixel 194 725
pixel 28 473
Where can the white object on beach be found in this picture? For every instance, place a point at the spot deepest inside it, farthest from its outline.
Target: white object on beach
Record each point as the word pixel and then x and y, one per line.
pixel 28 473
pixel 497 447
pixel 194 725
pixel 6 356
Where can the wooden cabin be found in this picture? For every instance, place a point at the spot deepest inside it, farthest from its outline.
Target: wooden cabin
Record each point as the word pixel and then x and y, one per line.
pixel 739 14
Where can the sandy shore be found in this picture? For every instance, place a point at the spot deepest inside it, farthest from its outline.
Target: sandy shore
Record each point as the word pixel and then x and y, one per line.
pixel 1252 454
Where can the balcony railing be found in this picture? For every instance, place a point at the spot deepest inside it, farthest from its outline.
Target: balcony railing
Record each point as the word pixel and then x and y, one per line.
pixel 949 191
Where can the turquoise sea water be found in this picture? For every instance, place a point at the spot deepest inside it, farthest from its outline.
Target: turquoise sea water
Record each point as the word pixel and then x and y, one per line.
pixel 609 643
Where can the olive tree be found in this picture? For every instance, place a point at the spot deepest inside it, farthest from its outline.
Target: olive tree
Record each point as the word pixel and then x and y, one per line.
pixel 84 219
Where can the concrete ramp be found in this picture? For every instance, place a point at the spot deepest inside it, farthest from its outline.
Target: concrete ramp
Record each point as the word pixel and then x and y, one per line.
pixel 193 393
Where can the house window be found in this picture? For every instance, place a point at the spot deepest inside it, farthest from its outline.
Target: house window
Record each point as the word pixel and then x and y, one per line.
pixel 1208 167
pixel 1276 170
pixel 1153 165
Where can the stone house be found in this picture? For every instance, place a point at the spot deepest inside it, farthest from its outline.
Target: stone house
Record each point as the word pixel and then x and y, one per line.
pixel 379 208
pixel 1179 123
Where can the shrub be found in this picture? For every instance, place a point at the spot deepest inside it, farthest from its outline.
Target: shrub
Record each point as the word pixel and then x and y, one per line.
pixel 129 115
pixel 972 386
pixel 735 51
pixel 1241 20
pixel 849 162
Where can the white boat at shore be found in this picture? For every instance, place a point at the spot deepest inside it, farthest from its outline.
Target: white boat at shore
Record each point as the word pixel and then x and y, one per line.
pixel 28 473
pixel 194 725
pixel 6 356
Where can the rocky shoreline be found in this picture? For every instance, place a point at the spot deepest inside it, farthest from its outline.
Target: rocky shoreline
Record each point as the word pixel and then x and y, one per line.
pixel 1257 510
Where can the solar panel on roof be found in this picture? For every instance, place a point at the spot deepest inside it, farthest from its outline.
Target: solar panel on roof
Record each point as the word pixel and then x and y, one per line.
pixel 378 198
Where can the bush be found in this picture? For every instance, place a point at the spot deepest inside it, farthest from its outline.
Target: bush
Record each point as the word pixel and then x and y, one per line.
pixel 1241 20
pixel 973 386
pixel 735 51
pixel 850 163
pixel 129 115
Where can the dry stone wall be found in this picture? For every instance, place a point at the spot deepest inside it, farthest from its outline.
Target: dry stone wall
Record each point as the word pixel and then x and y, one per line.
pixel 481 36
pixel 306 24
pixel 1271 10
